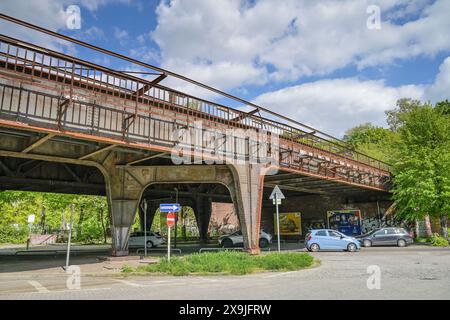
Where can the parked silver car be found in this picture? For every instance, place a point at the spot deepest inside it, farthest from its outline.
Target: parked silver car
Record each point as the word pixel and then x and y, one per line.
pixel 137 239
pixel 237 239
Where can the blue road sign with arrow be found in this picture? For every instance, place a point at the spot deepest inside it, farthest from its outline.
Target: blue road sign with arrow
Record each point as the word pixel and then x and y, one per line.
pixel 169 207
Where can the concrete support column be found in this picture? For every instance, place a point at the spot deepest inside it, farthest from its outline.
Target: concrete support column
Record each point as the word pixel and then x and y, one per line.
pixel 123 190
pixel 202 210
pixel 246 193
pixel 123 213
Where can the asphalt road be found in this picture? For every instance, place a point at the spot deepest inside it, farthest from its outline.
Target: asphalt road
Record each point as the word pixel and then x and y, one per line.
pixel 415 272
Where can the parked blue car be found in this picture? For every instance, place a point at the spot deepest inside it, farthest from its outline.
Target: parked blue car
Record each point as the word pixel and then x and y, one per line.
pixel 327 239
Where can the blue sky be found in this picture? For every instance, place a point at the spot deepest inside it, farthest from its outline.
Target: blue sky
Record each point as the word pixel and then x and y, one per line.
pixel 316 61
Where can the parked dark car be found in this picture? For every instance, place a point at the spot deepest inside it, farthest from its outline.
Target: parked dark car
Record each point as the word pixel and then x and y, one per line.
pixel 390 236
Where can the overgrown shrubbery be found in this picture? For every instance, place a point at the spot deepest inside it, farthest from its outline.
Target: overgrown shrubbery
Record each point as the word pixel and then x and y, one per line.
pixel 10 234
pixel 438 241
pixel 229 262
pixel 52 214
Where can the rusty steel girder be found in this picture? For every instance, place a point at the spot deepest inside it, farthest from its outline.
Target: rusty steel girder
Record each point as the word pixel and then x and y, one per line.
pixel 70 85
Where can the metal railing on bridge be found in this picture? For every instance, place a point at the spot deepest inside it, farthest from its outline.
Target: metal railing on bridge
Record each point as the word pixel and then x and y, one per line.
pixel 134 113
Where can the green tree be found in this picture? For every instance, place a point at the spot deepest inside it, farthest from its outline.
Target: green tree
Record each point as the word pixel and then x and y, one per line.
pixel 396 117
pixel 15 206
pixel 422 169
pixel 374 141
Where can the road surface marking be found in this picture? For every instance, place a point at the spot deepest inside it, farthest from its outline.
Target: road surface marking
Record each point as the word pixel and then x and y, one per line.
pixel 39 287
pixel 129 283
pixel 280 274
pixel 61 291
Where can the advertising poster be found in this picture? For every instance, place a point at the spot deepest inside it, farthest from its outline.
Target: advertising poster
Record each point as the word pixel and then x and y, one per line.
pixel 290 224
pixel 346 221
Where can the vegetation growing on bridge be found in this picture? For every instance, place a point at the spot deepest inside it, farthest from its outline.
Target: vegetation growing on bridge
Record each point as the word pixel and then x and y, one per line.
pixel 227 262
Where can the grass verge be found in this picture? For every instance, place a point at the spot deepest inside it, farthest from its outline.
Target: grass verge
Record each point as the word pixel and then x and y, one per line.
pixel 227 262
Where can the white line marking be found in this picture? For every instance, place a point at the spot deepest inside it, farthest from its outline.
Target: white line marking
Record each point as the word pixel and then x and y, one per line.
pixel 129 283
pixel 39 287
pixel 64 291
pixel 280 274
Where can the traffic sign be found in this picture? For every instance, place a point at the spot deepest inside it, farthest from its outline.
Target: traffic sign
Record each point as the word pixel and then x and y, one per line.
pixel 31 218
pixel 169 207
pixel 276 193
pixel 170 219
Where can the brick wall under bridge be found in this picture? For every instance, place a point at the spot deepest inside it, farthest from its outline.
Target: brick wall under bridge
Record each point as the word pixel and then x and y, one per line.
pixel 313 209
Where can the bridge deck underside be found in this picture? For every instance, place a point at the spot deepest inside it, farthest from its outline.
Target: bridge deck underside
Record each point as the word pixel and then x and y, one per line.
pixel 23 171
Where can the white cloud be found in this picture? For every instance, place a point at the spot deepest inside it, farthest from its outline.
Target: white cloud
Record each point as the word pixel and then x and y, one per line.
pixel 335 105
pixel 440 89
pixel 50 14
pixel 121 35
pixel 284 41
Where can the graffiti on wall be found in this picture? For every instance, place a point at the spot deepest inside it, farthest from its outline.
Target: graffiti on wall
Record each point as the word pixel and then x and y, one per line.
pixel 370 224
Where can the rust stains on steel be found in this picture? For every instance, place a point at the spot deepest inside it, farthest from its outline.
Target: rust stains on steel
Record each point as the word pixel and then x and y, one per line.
pixel 83 74
pixel 161 70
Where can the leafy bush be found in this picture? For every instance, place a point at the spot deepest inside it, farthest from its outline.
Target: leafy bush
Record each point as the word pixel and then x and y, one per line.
pixel 229 262
pixel 9 234
pixel 127 269
pixel 438 241
pixel 422 240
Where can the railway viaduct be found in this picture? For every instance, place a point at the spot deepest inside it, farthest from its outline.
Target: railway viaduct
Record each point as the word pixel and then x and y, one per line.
pixel 72 126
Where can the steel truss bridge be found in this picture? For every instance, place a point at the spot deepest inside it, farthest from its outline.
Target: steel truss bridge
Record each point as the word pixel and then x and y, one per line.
pixel 73 126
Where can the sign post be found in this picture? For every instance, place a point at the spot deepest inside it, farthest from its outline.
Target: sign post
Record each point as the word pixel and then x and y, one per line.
pixel 31 219
pixel 70 236
pixel 277 196
pixel 144 208
pixel 170 223
pixel 171 209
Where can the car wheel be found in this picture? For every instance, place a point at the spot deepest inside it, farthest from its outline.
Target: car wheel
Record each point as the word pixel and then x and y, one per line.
pixel 351 247
pixel 401 243
pixel 149 244
pixel 227 243
pixel 263 243
pixel 314 247
pixel 367 243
